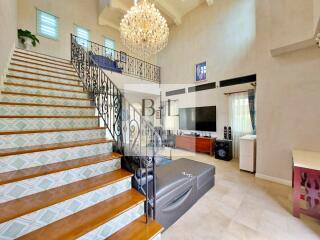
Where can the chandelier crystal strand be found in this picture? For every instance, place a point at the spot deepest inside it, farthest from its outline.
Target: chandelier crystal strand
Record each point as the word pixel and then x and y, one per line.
pixel 143 30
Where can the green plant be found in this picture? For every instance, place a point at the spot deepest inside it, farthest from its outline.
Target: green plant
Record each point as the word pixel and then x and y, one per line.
pixel 23 34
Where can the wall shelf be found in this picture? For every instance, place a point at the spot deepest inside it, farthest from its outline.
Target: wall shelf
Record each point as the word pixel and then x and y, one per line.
pixel 296 46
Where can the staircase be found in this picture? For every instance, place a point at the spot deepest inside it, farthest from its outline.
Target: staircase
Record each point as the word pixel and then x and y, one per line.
pixel 59 176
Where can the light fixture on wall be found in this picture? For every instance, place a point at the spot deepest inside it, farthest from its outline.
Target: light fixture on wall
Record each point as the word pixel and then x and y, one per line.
pixel 143 30
pixel 318 39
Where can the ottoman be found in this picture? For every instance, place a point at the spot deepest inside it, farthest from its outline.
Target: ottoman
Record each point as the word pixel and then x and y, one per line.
pixel 179 185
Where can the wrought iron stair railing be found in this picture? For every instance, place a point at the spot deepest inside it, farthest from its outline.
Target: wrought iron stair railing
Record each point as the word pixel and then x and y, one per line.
pixel 134 137
pixel 129 65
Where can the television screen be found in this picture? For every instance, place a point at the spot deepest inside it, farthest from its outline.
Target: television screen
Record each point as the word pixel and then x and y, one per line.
pixel 198 119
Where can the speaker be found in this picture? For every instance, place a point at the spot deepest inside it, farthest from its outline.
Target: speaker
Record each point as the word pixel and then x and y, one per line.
pixel 225 132
pixel 223 150
pixel 229 133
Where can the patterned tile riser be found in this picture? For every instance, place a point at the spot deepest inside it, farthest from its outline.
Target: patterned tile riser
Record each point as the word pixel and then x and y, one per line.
pixel 39 60
pixel 44 84
pixel 43 100
pixel 20 226
pixel 27 187
pixel 34 54
pixel 33 74
pixel 42 69
pixel 115 224
pixel 22 89
pixel 28 160
pixel 34 139
pixel 59 80
pixel 15 124
pixel 11 110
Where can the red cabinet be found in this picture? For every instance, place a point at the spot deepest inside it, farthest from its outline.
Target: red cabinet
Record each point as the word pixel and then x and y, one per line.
pixel 196 144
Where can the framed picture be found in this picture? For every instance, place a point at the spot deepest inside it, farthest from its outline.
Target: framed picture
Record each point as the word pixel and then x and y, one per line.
pixel 201 71
pixel 123 57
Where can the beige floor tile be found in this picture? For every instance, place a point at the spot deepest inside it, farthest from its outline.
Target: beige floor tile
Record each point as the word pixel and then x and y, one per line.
pixel 241 207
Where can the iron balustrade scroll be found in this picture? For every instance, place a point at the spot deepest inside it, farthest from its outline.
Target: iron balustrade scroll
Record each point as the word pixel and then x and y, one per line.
pixel 130 65
pixel 134 137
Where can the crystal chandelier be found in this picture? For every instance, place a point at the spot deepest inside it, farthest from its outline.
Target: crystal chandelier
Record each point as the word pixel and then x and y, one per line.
pixel 143 30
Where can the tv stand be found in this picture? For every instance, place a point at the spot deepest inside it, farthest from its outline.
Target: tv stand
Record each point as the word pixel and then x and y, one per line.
pixel 196 144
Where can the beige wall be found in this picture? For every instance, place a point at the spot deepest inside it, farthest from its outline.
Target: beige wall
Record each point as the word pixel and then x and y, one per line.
pixel 291 21
pixel 288 96
pixel 8 29
pixel 316 13
pixel 235 37
pixel 81 12
pixel 211 34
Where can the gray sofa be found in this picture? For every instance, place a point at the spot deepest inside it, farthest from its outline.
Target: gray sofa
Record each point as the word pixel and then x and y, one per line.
pixel 179 185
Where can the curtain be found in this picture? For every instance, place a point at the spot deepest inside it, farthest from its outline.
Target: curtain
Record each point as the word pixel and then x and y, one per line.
pixel 240 120
pixel 252 108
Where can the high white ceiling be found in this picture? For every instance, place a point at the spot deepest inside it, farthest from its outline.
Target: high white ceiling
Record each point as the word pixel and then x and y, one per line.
pixel 112 11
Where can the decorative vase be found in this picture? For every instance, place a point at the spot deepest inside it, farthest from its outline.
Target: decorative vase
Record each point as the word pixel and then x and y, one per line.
pixel 28 43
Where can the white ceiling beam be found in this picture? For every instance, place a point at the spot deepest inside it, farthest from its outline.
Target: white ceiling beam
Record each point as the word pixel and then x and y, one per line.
pixel 105 22
pixel 168 9
pixel 210 2
pixel 119 5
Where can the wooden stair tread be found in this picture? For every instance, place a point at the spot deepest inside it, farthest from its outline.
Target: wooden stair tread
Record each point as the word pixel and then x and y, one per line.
pixel 42 95
pixel 69 69
pixel 44 69
pixel 44 105
pixel 44 61
pixel 46 81
pixel 39 87
pixel 50 130
pixel 40 74
pixel 44 56
pixel 138 230
pixel 49 147
pixel 22 206
pixel 80 223
pixel 14 176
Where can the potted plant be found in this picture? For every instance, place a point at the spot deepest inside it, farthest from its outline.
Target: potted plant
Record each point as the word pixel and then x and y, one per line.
pixel 27 38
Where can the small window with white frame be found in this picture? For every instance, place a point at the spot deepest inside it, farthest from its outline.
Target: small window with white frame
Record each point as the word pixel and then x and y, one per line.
pixel 47 25
pixel 110 46
pixel 83 35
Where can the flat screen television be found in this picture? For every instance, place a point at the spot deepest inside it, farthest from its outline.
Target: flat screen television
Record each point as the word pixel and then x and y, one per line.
pixel 198 119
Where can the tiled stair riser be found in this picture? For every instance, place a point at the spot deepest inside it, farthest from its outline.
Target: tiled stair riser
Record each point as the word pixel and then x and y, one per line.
pixel 23 110
pixel 42 69
pixel 15 124
pixel 28 160
pixel 40 60
pixel 43 100
pixel 50 92
pixel 27 187
pixel 33 74
pixel 40 64
pixel 57 80
pixel 20 226
pixel 34 139
pixel 34 54
pixel 45 84
pixel 115 224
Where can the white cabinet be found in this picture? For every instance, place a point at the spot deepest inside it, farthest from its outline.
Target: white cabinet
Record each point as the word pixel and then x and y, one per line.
pixel 248 153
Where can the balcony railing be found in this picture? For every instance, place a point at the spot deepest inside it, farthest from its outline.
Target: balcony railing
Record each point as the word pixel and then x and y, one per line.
pixel 134 137
pixel 130 65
